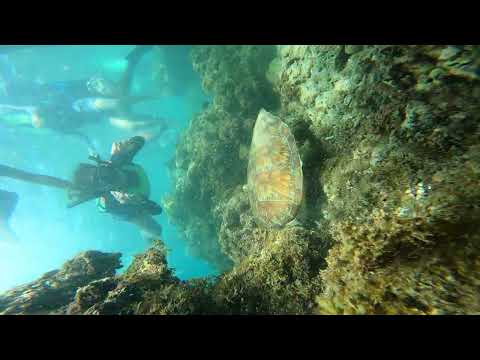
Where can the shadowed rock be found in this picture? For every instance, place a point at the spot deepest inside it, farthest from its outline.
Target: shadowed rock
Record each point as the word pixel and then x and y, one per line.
pixel 52 292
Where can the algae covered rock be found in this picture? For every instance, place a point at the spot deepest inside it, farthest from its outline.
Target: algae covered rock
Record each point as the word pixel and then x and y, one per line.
pixel 208 168
pixel 211 157
pixel 124 294
pixel 398 123
pixel 152 263
pixel 91 294
pixel 235 76
pixel 281 277
pixel 238 226
pixel 417 256
pixel 56 289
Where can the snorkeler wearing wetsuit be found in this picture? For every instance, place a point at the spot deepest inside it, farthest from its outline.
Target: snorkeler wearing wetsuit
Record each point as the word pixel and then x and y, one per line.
pixel 66 106
pixel 120 186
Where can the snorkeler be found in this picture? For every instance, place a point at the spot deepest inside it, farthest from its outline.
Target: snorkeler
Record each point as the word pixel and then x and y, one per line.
pixel 111 97
pixel 66 106
pixel 121 187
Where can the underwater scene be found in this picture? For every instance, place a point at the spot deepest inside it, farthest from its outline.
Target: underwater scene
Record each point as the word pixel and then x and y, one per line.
pixel 239 179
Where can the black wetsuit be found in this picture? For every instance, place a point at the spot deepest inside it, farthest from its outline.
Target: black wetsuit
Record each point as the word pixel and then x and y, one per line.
pixel 22 92
pixel 123 155
pixel 114 192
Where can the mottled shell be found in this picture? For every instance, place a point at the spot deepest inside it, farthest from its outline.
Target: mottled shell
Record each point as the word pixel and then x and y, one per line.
pixel 275 177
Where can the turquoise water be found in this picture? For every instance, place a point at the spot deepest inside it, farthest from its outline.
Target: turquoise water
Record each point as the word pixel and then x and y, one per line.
pixel 48 232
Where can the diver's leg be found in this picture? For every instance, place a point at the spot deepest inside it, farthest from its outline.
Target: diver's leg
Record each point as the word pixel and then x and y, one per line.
pixel 46 180
pixel 135 122
pixel 6 234
pixel 8 202
pixel 133 59
pixel 148 225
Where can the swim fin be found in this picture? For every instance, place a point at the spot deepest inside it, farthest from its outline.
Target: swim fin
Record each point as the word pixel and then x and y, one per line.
pixel 148 226
pixel 6 234
pixel 133 59
pixel 136 54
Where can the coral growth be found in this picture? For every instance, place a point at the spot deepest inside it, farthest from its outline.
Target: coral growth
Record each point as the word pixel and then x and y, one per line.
pixel 281 278
pixel 399 125
pixel 384 133
pixel 212 155
pixel 207 165
pixel 238 230
pixel 236 76
pixel 419 256
pixel 125 294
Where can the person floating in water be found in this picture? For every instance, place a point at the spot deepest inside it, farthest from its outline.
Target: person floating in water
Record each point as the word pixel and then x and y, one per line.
pixel 120 186
pixel 66 106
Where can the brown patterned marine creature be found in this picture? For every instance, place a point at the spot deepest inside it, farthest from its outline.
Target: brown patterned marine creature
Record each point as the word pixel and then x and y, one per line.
pixel 275 177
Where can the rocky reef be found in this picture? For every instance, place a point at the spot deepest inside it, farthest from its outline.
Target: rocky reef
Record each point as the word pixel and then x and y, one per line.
pixel 388 136
pixel 218 139
pixel 400 125
pixel 389 140
pixel 53 292
pixel 147 286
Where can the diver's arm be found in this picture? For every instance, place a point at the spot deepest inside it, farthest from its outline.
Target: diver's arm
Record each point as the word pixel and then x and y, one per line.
pixel 34 178
pixel 72 89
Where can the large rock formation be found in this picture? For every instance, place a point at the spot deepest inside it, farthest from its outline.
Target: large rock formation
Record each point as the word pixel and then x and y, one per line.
pixel 388 136
pixel 52 292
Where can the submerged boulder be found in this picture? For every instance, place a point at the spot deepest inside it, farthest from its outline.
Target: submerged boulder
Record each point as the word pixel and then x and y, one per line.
pixel 52 292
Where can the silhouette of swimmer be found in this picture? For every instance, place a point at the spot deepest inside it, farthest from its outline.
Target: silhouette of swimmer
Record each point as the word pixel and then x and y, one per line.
pixel 66 106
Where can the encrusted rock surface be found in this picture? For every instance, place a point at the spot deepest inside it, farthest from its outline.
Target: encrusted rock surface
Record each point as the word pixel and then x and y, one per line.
pixel 52 292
